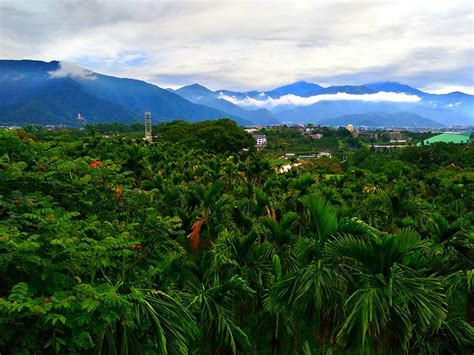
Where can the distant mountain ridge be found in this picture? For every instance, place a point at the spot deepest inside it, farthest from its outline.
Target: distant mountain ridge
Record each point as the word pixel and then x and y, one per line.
pixel 199 94
pixel 391 86
pixel 445 109
pixel 301 88
pixel 52 93
pixel 380 119
pixel 34 96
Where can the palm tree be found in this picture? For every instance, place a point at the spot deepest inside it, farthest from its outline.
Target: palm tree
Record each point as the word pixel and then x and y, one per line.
pixel 389 299
pixel 211 298
pixel 258 168
pixel 212 211
pixel 230 172
pixel 169 326
pixel 242 255
pixel 314 292
pixel 281 239
pixel 245 256
pixel 450 254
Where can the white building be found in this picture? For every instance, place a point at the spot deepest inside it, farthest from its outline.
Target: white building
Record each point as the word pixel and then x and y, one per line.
pixel 261 140
pixel 324 154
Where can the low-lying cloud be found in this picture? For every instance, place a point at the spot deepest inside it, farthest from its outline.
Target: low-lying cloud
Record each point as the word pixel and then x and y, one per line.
pixel 71 70
pixel 294 100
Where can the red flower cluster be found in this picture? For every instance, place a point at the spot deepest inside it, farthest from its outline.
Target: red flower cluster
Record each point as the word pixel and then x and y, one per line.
pixel 95 163
pixel 138 246
pixel 118 191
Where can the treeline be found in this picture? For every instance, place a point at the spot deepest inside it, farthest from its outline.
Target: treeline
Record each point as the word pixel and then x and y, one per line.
pixel 222 135
pixel 189 245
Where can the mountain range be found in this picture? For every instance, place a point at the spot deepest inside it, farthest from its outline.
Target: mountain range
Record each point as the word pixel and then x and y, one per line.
pixel 36 92
pixel 199 94
pixel 381 119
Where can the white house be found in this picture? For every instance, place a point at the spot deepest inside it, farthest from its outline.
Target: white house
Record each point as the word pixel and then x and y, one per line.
pixel 261 140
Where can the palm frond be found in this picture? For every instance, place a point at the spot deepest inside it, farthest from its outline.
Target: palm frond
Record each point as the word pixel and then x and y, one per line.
pixel 320 216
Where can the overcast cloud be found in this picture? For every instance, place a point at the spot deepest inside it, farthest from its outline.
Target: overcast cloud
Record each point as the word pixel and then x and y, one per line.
pixel 245 45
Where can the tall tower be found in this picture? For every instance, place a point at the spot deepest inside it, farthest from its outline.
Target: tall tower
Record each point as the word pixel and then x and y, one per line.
pixel 148 136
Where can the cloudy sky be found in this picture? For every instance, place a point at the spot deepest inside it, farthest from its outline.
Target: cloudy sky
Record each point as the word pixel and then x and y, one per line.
pixel 251 44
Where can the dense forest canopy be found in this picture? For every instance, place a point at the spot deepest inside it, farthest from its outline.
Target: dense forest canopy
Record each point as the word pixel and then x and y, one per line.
pixel 191 244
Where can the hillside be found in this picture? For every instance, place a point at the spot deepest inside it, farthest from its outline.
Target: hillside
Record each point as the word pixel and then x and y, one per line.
pixel 99 97
pixel 58 102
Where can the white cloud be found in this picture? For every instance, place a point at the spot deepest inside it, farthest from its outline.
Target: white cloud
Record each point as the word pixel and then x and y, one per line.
pixel 245 44
pixel 295 100
pixel 72 70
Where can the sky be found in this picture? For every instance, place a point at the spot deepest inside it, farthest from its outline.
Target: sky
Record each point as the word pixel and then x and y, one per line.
pixel 246 45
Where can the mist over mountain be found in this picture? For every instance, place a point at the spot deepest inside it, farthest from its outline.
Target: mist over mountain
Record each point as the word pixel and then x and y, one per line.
pixel 455 108
pixel 54 92
pixel 199 94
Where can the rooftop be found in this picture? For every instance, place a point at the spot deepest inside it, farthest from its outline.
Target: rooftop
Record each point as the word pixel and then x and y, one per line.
pixel 449 137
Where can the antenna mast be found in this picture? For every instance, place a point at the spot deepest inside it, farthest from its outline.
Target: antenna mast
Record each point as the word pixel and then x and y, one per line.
pixel 148 136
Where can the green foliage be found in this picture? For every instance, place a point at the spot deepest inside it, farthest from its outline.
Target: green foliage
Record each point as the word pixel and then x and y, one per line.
pixel 216 136
pixel 190 245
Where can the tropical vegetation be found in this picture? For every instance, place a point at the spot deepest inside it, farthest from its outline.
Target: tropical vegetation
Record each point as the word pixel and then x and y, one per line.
pixel 113 245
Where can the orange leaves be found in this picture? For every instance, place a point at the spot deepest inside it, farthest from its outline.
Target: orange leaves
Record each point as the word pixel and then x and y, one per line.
pixel 118 191
pixel 95 163
pixel 105 177
pixel 194 236
pixel 115 188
